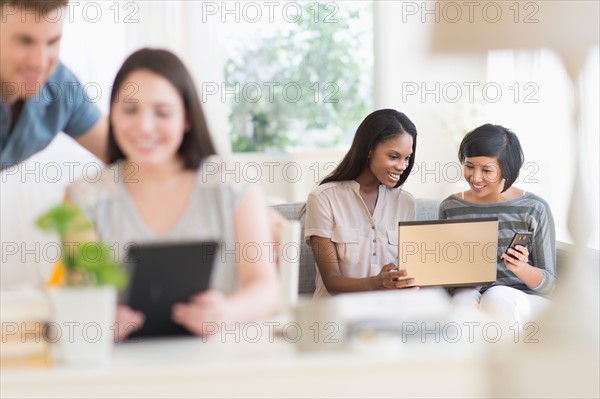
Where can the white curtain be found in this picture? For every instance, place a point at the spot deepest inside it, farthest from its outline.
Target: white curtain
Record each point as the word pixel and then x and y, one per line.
pixel 538 107
pixel 96 50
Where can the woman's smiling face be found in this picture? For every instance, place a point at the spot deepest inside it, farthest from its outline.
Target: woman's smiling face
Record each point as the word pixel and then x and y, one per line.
pixel 484 176
pixel 389 158
pixel 149 124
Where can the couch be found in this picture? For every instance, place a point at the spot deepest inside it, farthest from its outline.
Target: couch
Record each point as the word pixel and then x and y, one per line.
pixel 427 209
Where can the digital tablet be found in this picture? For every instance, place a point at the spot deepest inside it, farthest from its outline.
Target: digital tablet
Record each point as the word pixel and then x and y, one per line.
pixel 165 274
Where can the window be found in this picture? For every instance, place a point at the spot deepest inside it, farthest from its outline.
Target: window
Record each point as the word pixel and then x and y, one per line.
pixel 301 81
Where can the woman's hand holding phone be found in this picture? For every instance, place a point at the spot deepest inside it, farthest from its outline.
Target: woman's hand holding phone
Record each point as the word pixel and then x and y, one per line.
pixel 516 255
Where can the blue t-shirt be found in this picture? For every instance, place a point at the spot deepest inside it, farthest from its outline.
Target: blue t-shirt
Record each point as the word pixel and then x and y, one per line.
pixel 60 106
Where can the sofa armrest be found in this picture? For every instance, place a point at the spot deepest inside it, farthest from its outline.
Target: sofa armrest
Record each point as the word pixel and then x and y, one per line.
pixel 565 254
pixel 307 268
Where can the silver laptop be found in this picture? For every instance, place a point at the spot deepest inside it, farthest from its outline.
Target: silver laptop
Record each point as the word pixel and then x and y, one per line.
pixel 449 253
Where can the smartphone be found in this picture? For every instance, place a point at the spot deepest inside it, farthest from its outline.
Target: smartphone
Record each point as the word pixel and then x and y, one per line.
pixel 520 238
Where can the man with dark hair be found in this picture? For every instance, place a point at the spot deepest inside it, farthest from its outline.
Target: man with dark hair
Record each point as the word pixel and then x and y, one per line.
pixel 40 97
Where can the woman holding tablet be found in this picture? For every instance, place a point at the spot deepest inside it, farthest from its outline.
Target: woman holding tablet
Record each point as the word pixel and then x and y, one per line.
pixel 165 185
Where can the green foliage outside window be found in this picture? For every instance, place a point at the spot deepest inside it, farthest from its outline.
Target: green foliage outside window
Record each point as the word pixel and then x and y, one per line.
pixel 312 78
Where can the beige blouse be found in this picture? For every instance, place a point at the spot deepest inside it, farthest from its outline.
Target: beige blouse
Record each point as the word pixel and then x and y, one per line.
pixel 364 243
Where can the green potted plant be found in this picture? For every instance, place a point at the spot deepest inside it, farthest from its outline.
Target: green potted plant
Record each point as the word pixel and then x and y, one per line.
pixel 82 289
pixel 84 263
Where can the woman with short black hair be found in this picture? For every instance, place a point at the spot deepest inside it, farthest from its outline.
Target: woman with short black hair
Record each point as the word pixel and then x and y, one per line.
pixel 491 156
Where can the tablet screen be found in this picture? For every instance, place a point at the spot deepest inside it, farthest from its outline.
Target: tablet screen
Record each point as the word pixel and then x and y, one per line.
pixel 165 274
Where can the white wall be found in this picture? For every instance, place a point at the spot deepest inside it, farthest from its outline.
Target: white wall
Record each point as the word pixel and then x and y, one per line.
pixel 534 99
pixel 409 78
pixel 285 177
pixel 96 46
pixel 26 191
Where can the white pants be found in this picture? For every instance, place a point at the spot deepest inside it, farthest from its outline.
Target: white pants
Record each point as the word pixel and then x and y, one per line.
pixel 506 305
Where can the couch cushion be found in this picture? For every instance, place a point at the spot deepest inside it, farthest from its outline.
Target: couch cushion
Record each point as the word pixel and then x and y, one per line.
pixel 427 209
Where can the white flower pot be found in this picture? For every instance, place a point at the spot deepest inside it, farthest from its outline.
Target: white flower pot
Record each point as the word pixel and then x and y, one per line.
pixel 82 324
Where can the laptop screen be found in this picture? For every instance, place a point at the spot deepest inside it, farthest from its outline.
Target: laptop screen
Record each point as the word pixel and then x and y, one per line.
pixel 449 253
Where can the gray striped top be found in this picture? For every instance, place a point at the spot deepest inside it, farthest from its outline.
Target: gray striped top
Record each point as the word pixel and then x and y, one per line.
pixel 526 213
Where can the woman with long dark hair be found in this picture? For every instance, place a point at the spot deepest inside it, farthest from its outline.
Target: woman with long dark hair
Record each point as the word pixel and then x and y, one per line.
pixel 165 186
pixel 352 216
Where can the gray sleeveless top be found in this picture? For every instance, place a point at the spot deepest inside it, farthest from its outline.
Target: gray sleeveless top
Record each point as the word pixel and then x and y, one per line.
pixel 209 215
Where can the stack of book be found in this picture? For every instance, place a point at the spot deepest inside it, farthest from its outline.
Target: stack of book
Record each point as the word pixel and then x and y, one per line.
pixel 23 318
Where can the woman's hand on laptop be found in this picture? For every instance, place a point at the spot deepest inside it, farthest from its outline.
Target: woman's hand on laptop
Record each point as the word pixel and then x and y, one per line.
pixel 127 321
pixel 392 278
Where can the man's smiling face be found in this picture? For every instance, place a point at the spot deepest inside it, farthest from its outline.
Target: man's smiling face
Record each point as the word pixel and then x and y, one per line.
pixel 29 48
